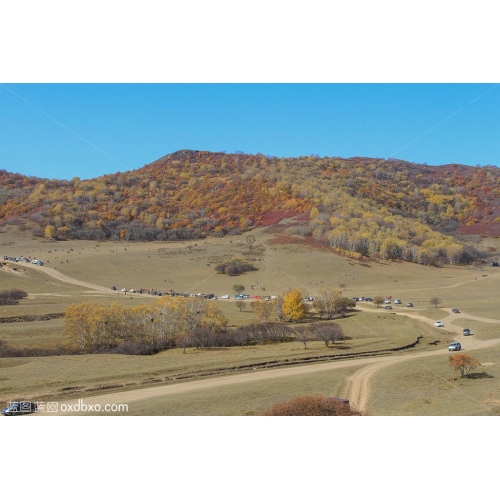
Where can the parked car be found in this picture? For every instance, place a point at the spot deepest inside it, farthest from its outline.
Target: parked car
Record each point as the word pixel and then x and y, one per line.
pixel 20 408
pixel 113 287
pixel 455 310
pixel 397 301
pixel 388 307
pixel 409 304
pixel 224 296
pixel 368 299
pixel 455 346
pixel 438 323
pixel 387 301
pixel 466 332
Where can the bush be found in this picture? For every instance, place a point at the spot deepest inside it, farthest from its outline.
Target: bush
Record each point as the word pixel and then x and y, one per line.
pixel 312 406
pixel 7 351
pixel 8 301
pixel 234 267
pixel 11 297
pixel 263 333
pixel 133 349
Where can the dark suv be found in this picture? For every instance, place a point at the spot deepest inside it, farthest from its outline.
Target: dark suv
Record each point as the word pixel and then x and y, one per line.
pixel 20 408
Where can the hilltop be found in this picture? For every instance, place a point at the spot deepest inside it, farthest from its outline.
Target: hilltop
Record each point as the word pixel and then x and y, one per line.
pixel 362 207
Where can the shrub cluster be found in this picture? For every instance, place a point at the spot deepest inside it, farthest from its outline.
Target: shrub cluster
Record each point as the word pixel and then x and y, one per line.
pixel 12 296
pixel 312 406
pixel 234 267
pixel 7 351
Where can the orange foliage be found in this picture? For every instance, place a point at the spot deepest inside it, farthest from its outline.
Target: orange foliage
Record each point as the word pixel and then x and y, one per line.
pixel 312 406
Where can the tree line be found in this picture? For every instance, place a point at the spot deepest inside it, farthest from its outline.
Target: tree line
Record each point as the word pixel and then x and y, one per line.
pixel 187 322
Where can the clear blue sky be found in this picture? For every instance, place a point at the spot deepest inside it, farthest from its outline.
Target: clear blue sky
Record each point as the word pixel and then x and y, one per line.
pixel 86 130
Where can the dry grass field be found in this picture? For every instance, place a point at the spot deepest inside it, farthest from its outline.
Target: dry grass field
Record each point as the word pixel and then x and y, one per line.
pixel 189 267
pixel 430 387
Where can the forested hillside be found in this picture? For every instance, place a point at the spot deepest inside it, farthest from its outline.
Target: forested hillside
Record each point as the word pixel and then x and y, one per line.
pixel 361 206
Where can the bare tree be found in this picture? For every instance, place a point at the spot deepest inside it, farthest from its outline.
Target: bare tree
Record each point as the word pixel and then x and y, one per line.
pixel 327 332
pixel 183 341
pixel 303 334
pixel 325 303
pixel 435 301
pixel 201 338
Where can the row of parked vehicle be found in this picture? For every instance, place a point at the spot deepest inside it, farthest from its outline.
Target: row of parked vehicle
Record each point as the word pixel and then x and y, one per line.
pixel 243 296
pixel 23 259
pixel 210 296
pixel 170 293
pixel 387 301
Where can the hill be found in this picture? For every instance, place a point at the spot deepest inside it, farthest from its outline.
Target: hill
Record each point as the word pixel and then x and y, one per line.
pixel 362 207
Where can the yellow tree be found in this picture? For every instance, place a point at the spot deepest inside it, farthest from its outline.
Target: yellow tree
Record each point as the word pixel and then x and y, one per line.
pixel 50 231
pixel 214 319
pixel 263 309
pixel 76 324
pixel 171 316
pixel 293 305
pixel 90 325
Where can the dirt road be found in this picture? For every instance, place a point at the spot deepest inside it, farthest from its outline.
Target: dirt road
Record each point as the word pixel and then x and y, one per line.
pixel 357 389
pixel 53 273
pixel 358 384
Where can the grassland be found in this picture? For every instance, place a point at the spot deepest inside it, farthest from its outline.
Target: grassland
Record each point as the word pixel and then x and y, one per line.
pixel 188 267
pixel 430 387
pixel 63 375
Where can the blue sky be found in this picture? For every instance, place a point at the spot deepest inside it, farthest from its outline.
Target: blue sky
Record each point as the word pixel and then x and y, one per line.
pixel 86 130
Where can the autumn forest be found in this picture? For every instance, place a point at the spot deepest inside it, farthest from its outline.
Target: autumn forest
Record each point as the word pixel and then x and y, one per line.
pixel 361 207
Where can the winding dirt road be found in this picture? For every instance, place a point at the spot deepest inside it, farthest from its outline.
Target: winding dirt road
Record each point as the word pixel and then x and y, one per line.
pixel 53 273
pixel 358 384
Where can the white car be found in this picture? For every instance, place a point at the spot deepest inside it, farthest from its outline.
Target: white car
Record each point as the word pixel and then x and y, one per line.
pixel 224 296
pixel 397 301
pixel 438 323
